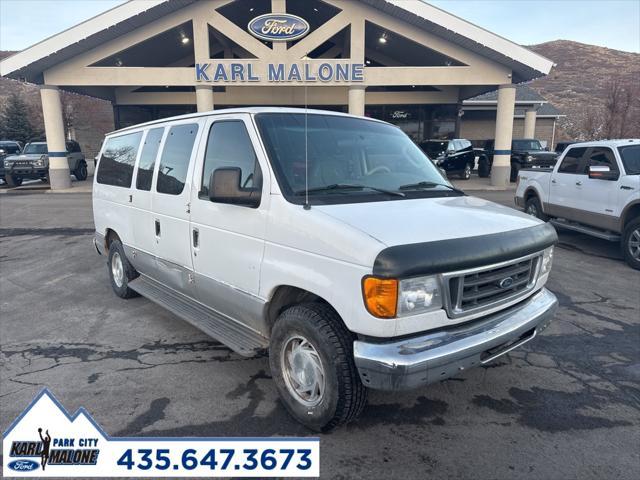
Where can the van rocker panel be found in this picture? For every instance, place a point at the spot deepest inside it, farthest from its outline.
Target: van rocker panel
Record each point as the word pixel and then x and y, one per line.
pixel 424 359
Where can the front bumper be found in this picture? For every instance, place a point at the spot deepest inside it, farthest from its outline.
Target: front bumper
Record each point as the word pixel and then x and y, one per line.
pixel 432 357
pixel 27 171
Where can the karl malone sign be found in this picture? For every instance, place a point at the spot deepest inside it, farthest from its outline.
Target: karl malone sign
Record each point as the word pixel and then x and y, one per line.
pixel 280 72
pixel 279 28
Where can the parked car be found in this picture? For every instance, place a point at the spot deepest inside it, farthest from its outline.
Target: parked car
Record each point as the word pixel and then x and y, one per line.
pixel 594 189
pixel 328 240
pixel 455 157
pixel 33 163
pixel 525 153
pixel 7 148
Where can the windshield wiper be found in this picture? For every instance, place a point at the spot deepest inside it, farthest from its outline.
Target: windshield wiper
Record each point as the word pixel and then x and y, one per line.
pixel 421 185
pixel 349 186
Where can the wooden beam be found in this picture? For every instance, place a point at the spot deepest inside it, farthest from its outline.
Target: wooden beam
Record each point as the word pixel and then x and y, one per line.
pixel 319 36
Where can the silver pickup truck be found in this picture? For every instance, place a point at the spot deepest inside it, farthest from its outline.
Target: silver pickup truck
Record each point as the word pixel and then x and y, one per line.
pixel 33 163
pixel 594 189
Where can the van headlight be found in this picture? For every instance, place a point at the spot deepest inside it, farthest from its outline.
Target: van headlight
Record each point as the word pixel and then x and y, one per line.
pixel 419 295
pixel 391 298
pixel 547 260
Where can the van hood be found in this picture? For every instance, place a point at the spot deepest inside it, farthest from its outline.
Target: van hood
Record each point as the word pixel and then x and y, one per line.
pixel 403 222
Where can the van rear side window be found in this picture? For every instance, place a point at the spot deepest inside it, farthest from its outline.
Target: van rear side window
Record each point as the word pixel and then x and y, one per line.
pixel 148 159
pixel 174 161
pixel 118 159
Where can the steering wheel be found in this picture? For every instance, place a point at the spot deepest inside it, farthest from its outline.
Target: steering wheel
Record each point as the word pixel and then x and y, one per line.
pixel 379 169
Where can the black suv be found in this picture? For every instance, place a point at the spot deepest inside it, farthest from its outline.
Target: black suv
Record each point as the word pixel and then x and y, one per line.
pixel 525 153
pixel 7 147
pixel 453 156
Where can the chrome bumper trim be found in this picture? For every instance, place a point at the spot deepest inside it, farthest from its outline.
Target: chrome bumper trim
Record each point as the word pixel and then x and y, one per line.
pixel 432 357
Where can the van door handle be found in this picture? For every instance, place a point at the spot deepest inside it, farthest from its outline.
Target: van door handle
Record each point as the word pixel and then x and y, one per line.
pixel 157 228
pixel 578 183
pixel 553 181
pixel 196 238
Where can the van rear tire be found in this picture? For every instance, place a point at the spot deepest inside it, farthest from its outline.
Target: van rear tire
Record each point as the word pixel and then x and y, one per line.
pixel 311 359
pixel 121 272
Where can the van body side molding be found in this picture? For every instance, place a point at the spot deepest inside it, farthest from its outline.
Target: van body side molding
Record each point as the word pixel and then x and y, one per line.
pixel 462 253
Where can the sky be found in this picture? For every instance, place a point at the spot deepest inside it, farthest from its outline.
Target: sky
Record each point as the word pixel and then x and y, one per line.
pixel 608 23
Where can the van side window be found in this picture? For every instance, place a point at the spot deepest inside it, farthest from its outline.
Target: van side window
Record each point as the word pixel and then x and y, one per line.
pixel 174 161
pixel 117 161
pixel 571 161
pixel 148 159
pixel 229 145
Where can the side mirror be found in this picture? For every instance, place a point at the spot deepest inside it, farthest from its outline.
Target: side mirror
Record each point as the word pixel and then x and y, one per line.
pixel 602 172
pixel 224 187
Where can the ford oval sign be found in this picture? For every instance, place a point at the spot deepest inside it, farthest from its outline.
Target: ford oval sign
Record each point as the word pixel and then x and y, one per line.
pixel 278 27
pixel 23 465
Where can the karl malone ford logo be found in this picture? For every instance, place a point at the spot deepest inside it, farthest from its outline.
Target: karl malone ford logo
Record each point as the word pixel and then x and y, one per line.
pixel 278 27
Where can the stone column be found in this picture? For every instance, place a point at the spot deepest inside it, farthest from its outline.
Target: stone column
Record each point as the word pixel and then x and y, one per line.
pixel 501 167
pixel 356 99
pixel 204 98
pixel 530 115
pixel 59 175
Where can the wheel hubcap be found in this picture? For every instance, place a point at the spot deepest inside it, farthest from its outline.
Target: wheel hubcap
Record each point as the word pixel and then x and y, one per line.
pixel 117 270
pixel 634 244
pixel 303 371
pixel 532 210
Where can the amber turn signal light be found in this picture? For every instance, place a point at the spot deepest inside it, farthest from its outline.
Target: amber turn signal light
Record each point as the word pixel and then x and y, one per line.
pixel 380 296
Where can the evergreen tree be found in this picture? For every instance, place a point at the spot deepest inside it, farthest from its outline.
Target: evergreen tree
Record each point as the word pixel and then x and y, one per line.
pixel 14 120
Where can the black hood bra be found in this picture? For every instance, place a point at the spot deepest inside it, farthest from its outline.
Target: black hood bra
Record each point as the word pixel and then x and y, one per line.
pixel 462 253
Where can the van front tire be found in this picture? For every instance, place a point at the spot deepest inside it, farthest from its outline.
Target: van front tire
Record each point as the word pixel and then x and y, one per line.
pixel 121 272
pixel 311 359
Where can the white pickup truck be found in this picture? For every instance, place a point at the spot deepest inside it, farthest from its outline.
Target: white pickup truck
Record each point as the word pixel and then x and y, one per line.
pixel 594 189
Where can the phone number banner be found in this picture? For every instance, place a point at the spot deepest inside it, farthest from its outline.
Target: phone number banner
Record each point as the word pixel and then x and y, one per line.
pixel 45 441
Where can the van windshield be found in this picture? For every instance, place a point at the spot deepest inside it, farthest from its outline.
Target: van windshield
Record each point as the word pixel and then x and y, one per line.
pixel 349 159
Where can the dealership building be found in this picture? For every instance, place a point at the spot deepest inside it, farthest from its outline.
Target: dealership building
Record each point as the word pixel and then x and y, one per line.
pixel 403 61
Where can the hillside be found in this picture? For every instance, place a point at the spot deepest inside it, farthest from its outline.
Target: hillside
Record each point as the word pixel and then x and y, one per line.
pixel 581 84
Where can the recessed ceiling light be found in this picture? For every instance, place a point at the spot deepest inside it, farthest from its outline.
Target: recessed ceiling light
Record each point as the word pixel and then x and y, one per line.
pixel 383 38
pixel 251 9
pixel 185 40
pixel 368 62
pixel 119 62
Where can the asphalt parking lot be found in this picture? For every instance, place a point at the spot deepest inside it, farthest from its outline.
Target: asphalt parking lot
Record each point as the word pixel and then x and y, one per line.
pixel 565 406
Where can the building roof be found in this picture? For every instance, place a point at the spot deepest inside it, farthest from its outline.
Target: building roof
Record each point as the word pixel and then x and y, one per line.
pixel 31 62
pixel 525 95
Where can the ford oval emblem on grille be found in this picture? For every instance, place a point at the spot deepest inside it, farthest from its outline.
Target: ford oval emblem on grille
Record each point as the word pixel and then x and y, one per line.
pixel 278 27
pixel 506 282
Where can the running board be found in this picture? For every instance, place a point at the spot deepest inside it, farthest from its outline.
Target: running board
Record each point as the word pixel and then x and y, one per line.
pixel 578 227
pixel 236 336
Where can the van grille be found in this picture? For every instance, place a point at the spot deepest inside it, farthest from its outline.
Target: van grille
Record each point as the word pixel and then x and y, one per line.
pixel 484 288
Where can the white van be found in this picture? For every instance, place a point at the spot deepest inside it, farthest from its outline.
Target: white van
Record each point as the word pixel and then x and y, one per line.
pixel 327 239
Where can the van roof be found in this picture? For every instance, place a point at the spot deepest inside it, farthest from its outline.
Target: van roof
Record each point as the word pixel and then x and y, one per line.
pixel 249 110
